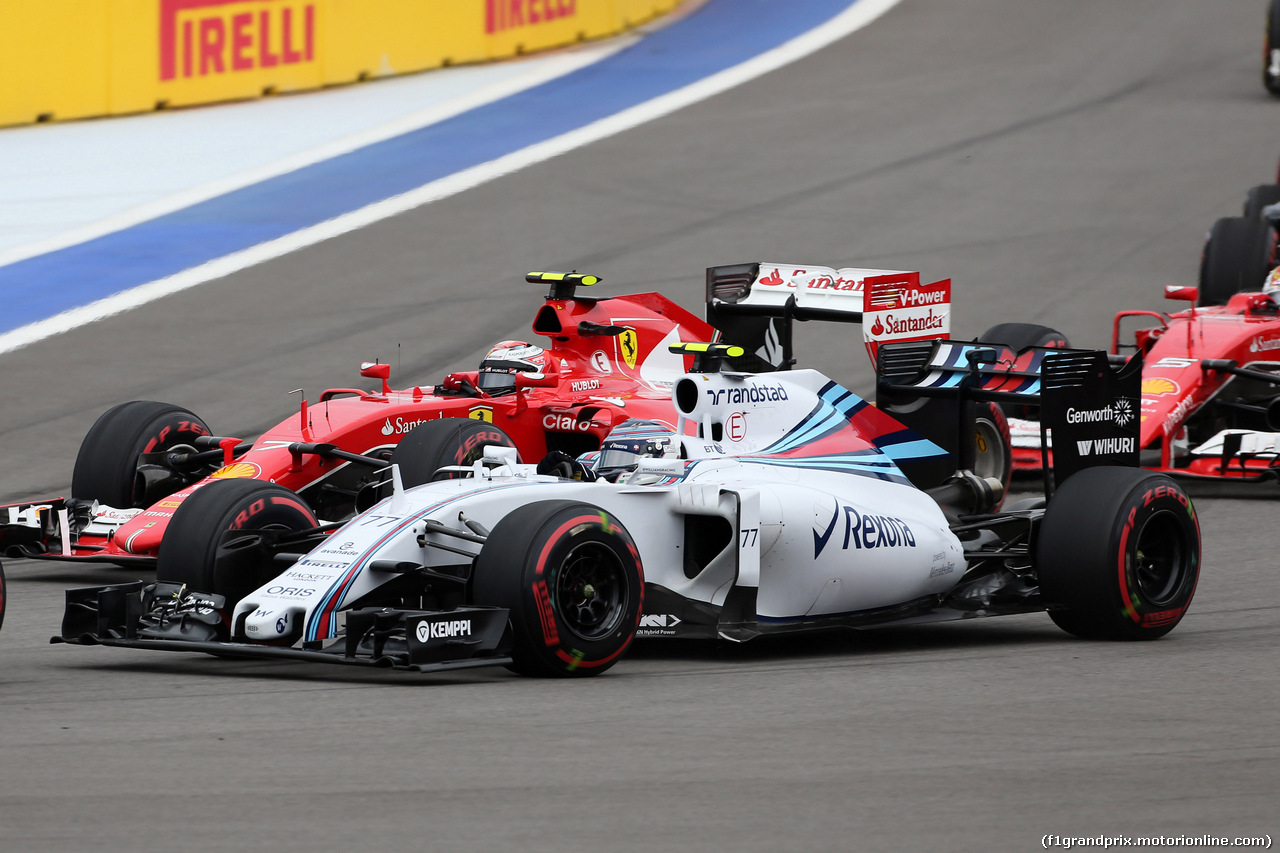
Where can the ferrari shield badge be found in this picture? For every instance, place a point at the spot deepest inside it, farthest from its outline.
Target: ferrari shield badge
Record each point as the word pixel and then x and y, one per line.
pixel 629 347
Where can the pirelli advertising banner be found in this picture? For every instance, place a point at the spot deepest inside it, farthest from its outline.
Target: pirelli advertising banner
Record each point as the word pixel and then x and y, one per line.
pixel 64 59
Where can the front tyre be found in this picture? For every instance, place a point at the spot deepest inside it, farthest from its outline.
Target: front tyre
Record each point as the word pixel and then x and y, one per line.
pixel 107 465
pixel 1118 554
pixel 435 444
pixel 570 575
pixel 190 553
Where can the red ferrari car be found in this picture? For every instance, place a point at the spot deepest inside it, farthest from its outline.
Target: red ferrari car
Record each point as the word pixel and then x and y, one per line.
pixel 605 360
pixel 1210 402
pixel 1210 394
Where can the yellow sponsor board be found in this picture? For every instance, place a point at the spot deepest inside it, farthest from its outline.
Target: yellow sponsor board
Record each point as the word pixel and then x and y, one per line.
pixel 63 59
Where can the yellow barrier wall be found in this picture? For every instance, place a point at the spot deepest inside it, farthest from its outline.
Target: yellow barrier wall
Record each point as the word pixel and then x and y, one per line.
pixel 65 59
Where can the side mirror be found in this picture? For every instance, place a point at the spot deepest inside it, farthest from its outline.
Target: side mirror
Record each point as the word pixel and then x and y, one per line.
pixel 1182 294
pixel 377 370
pixel 536 380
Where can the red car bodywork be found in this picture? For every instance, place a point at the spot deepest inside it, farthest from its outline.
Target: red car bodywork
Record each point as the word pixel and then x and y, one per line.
pixel 1207 370
pixel 599 376
pixel 1210 404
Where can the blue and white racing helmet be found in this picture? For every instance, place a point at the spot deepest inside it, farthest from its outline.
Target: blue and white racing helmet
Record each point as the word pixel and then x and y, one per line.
pixel 632 440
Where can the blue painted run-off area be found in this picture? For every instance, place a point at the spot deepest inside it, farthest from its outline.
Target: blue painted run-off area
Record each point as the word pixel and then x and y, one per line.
pixel 717 36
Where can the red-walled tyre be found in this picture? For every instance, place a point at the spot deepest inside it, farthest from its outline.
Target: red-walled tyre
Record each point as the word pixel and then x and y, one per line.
pixel 435 444
pixel 1118 554
pixel 107 465
pixel 189 551
pixel 570 575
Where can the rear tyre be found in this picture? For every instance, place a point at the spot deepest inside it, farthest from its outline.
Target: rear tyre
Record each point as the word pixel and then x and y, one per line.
pixel 570 575
pixel 1263 195
pixel 445 441
pixel 107 464
pixel 1118 554
pixel 190 552
pixel 1234 260
pixel 1019 336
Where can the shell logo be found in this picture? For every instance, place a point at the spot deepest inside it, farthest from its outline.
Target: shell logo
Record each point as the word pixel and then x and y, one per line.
pixel 1158 386
pixel 237 471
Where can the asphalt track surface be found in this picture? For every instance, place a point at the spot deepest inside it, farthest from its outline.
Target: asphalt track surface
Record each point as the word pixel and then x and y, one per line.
pixel 1060 161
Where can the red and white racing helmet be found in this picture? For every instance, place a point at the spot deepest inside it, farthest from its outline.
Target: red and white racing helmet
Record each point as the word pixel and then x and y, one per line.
pixel 499 368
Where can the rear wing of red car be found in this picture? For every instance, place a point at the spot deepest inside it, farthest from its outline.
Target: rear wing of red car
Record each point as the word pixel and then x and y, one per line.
pixel 1088 403
pixel 755 305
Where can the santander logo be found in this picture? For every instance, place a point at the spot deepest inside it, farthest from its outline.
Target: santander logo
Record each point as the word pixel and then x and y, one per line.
pixel 1261 344
pixel 773 280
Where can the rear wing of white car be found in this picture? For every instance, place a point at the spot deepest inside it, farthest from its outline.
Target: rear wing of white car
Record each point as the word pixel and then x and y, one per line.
pixel 754 305
pixel 1088 403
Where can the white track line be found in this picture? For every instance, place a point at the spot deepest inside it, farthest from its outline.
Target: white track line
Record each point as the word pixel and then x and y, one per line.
pixel 854 18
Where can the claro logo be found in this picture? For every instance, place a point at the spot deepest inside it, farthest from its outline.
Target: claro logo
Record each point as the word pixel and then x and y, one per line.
pixel 502 15
pixel 200 38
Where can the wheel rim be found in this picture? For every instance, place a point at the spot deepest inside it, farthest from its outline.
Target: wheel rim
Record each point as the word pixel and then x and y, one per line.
pixel 591 590
pixel 1159 559
pixel 989 456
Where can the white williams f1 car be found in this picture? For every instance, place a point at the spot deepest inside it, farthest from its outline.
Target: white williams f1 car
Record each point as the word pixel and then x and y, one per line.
pixel 777 506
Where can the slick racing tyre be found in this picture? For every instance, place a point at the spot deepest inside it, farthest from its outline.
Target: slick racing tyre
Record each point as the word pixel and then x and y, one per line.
pixel 107 465
pixel 1271 50
pixel 570 575
pixel 431 446
pixel 1019 336
pixel 1263 195
pixel 1118 554
pixel 190 551
pixel 1234 259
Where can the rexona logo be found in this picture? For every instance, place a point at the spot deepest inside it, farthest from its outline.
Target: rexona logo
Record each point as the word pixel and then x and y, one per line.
pixel 864 531
pixel 202 38
pixel 502 15
pixel 1120 413
pixel 1104 446
pixel 401 426
pixel 443 630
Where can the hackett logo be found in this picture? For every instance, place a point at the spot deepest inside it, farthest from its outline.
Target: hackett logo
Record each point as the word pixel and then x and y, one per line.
pixel 502 15
pixel 200 38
